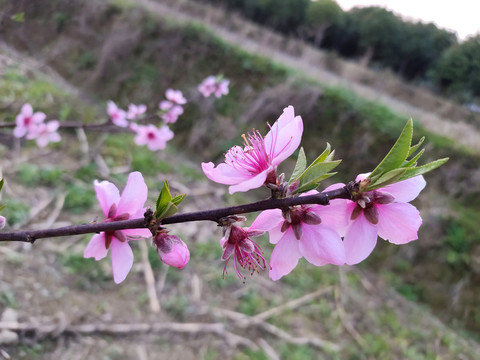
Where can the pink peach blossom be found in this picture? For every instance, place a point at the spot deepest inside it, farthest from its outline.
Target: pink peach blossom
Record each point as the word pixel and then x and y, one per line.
pixel 385 213
pixel 155 138
pixel 171 116
pixel 308 231
pixel 246 252
pixel 214 85
pixel 45 133
pixel 251 166
pixel 130 205
pixel 222 88
pixel 135 111
pixel 118 116
pixel 3 222
pixel 26 120
pixel 172 250
pixel 175 96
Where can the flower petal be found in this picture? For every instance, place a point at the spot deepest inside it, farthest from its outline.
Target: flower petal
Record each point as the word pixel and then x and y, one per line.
pixel 398 222
pixel 285 256
pixel 406 190
pixel 284 137
pixel 137 234
pixel 360 240
pixel 122 260
pixel 321 245
pixel 96 247
pixel 251 183
pixel 134 195
pixel 267 220
pixel 335 215
pixel 107 194
pixel 223 173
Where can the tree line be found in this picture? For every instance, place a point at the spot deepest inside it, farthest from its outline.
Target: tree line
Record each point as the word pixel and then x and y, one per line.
pixel 416 51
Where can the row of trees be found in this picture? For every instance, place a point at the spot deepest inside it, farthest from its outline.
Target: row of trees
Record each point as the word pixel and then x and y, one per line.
pixel 416 51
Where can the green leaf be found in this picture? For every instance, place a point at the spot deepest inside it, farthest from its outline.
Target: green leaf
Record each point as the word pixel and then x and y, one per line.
pixel 299 166
pixel 388 178
pixel 20 17
pixel 415 147
pixel 316 171
pixel 178 199
pixel 420 170
pixel 2 207
pixel 398 153
pixel 1 184
pixel 163 199
pixel 413 161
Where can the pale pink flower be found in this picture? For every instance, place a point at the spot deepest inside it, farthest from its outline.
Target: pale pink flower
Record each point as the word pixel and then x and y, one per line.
pixel 246 253
pixel 171 116
pixel 251 166
pixel 308 231
pixel 208 86
pixel 155 138
pixel 27 119
pixel 172 250
pixel 175 97
pixel 45 133
pixel 222 88
pixel 135 111
pixel 118 116
pixel 130 205
pixel 3 222
pixel 384 212
pixel 214 85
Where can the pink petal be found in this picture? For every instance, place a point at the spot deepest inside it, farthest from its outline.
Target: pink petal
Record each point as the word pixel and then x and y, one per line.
pixel 271 221
pixel 122 260
pixel 284 136
pixel 252 183
pixel 96 247
pixel 223 173
pixel 38 117
pixel 20 131
pixel 360 240
pixel 134 195
pixel 107 194
pixel 285 256
pixel 137 234
pixel 406 190
pixel 361 177
pixel 52 125
pixel 334 187
pixel 398 222
pixel 27 110
pixel 336 215
pixel 321 245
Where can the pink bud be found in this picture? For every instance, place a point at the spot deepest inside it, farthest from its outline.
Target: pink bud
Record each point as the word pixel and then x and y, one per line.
pixel 171 250
pixel 3 222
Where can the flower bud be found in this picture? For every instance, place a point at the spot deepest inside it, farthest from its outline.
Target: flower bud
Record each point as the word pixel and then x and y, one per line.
pixel 171 250
pixel 3 222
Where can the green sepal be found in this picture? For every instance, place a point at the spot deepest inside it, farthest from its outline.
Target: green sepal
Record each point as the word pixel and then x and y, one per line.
pixel 398 153
pixel 299 166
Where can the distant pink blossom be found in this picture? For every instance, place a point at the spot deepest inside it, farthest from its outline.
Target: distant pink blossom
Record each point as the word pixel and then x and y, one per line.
pixel 255 163
pixel 3 222
pixel 213 85
pixel 135 111
pixel 246 253
pixel 386 213
pixel 26 120
pixel 308 231
pixel 151 136
pixel 118 116
pixel 175 97
pixel 130 205
pixel 171 116
pixel 172 250
pixel 45 133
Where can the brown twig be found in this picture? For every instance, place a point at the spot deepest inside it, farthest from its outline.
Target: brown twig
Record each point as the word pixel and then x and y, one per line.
pixel 210 215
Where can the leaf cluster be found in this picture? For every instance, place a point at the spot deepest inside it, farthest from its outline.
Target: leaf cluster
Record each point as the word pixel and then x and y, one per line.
pixel 401 162
pixel 308 178
pixel 167 205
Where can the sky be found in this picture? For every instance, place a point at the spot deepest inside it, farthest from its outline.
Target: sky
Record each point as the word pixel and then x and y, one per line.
pixel 461 16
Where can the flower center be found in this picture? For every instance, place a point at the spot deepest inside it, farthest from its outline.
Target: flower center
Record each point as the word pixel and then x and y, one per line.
pixel 253 158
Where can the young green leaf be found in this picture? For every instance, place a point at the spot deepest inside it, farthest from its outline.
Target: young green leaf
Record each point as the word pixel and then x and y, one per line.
pixel 420 170
pixel 318 170
pixel 415 147
pixel 1 184
pixel 388 178
pixel 398 153
pixel 299 166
